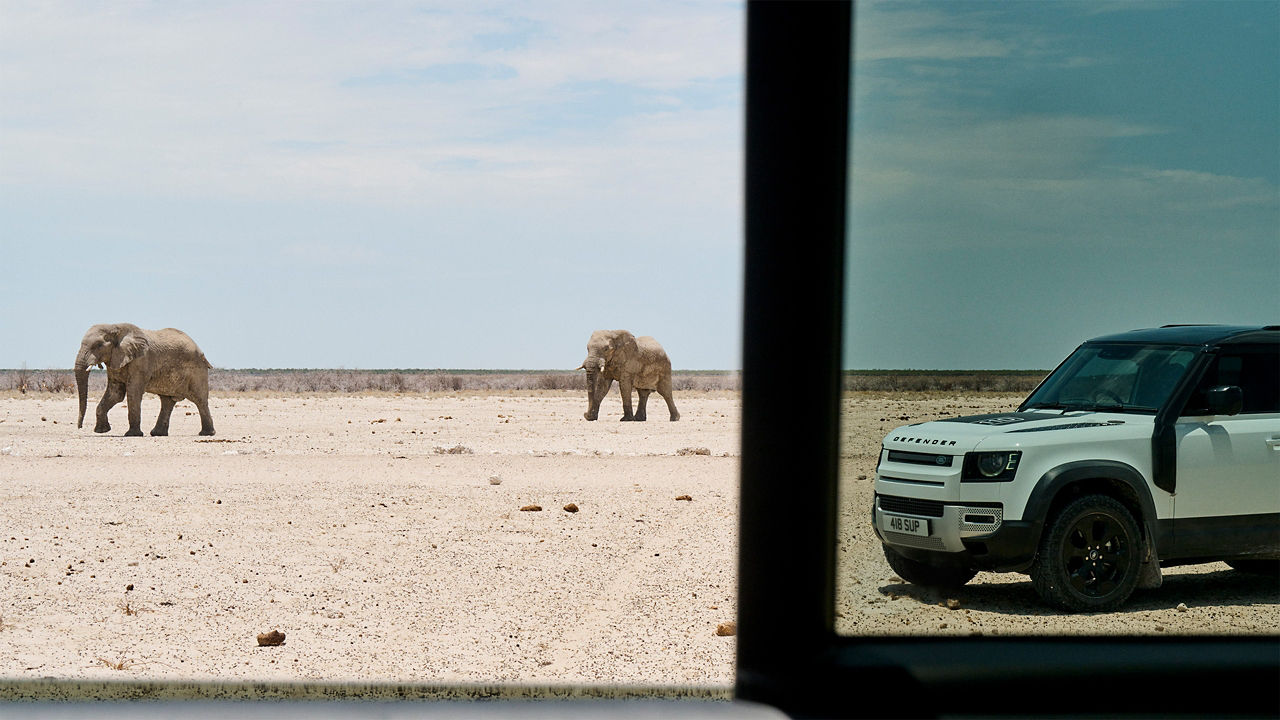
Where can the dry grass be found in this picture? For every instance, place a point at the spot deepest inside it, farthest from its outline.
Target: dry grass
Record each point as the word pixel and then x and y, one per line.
pixel 291 382
pixel 24 381
pixel 367 381
pixel 128 609
pixel 118 664
pixel 898 381
pixel 389 381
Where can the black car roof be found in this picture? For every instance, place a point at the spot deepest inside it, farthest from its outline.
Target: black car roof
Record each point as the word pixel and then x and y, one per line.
pixel 1195 334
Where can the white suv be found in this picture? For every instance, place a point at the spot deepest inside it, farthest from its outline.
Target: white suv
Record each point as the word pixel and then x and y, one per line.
pixel 1142 450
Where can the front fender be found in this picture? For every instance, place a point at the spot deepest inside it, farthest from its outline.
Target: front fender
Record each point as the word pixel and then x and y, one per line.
pixel 1081 476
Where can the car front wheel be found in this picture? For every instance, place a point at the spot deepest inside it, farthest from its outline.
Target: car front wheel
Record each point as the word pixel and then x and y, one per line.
pixel 1090 555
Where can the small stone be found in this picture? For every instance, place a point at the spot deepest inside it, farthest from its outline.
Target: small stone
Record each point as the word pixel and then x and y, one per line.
pixel 953 604
pixel 727 629
pixel 1182 607
pixel 531 508
pixel 275 637
pixel 684 497
pixel 571 508
pixel 495 480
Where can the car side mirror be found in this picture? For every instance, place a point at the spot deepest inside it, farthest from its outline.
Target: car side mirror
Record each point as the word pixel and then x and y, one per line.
pixel 1225 400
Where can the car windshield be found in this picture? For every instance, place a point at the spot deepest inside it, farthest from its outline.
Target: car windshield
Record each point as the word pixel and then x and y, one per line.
pixel 1116 377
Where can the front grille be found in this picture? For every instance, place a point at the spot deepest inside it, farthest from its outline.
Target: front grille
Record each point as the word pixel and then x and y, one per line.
pixel 911 506
pixel 915 458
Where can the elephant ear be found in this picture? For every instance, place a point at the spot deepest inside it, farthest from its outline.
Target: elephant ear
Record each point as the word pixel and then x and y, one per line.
pixel 621 346
pixel 130 348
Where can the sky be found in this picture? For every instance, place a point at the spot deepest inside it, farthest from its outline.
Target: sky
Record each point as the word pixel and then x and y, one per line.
pixel 482 184
pixel 1028 175
pixel 372 184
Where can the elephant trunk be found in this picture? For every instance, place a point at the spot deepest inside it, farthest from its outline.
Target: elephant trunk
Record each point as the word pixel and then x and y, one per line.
pixel 591 396
pixel 83 361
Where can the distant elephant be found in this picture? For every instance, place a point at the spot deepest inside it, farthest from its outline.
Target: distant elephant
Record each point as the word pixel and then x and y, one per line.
pixel 638 363
pixel 164 362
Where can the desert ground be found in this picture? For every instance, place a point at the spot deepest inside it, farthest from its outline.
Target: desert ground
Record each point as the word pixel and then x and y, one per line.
pixel 394 538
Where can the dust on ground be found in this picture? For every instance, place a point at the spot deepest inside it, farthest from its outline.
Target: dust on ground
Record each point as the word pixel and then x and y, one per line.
pixel 384 537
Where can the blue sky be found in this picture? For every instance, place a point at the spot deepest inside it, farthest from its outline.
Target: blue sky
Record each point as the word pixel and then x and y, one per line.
pixel 363 185
pixel 1029 175
pixel 482 184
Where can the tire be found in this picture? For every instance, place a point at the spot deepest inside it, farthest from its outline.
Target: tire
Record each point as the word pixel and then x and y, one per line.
pixel 918 573
pixel 1270 568
pixel 1090 556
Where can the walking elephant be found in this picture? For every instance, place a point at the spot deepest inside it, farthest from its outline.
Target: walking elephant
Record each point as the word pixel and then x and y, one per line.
pixel 164 362
pixel 636 363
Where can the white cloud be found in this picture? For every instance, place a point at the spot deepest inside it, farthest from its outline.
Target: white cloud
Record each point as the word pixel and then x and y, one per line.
pixel 265 100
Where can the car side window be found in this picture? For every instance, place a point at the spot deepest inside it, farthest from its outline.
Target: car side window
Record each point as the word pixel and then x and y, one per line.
pixel 1255 370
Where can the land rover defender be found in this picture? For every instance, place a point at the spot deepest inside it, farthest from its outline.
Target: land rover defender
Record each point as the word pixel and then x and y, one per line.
pixel 1141 450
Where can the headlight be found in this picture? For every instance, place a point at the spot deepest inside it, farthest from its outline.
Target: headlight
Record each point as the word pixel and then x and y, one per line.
pixel 990 466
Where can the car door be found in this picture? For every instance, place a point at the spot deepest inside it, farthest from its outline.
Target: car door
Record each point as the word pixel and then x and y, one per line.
pixel 1227 500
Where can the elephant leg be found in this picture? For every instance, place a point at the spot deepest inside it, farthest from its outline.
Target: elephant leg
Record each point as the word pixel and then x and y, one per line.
pixel 206 417
pixel 664 389
pixel 644 399
pixel 162 420
pixel 113 395
pixel 625 387
pixel 133 395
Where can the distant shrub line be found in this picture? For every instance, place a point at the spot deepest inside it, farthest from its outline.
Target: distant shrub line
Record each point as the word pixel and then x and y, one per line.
pixel 358 381
pixel 427 381
pixel 1009 381
pixel 47 381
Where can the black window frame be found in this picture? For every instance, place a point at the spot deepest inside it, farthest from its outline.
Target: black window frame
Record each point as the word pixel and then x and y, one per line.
pixel 799 68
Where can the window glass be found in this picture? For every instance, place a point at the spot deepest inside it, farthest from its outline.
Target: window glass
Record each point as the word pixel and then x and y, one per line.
pixel 1124 377
pixel 1256 371
pixel 1026 177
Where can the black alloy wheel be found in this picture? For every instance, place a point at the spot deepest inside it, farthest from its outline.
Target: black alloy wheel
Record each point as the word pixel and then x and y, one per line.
pixel 1090 555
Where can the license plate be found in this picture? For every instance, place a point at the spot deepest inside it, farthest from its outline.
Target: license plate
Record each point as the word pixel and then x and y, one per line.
pixel 904 525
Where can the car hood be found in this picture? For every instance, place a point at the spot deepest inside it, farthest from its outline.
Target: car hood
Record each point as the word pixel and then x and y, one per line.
pixel 962 434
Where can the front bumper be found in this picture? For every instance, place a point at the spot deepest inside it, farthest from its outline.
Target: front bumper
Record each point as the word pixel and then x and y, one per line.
pixel 976 535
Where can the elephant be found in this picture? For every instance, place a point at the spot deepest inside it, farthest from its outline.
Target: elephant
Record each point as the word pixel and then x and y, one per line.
pixel 638 363
pixel 164 362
